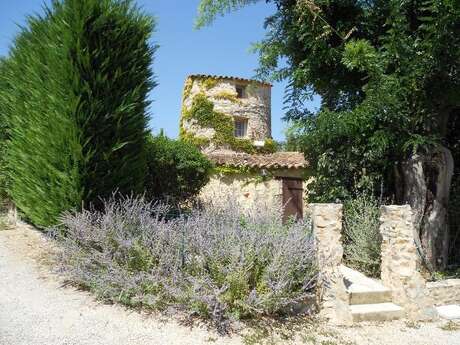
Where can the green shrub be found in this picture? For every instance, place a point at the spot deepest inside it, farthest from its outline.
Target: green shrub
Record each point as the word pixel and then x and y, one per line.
pixel 76 98
pixel 177 170
pixel 362 239
pixel 270 146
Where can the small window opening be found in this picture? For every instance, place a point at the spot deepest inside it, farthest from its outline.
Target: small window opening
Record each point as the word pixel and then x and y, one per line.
pixel 241 128
pixel 241 91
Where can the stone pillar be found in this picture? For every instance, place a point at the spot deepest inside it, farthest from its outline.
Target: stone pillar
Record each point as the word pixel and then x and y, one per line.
pixel 401 263
pixel 327 229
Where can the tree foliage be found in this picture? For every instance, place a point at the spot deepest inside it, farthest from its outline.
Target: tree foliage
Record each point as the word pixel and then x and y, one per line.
pixel 387 73
pixel 209 9
pixel 75 102
pixel 177 170
pixel 388 76
pixel 3 138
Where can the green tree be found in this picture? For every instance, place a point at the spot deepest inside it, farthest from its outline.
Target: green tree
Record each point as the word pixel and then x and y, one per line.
pixel 177 170
pixel 3 138
pixel 75 101
pixel 388 75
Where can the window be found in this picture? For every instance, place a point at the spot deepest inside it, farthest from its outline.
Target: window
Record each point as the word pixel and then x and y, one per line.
pixel 241 128
pixel 240 91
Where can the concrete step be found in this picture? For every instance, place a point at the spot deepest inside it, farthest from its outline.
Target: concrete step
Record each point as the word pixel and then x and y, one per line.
pixel 449 312
pixel 364 290
pixel 362 295
pixel 376 312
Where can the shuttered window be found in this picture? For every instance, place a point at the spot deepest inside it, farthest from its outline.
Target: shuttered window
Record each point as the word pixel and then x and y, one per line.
pixel 241 128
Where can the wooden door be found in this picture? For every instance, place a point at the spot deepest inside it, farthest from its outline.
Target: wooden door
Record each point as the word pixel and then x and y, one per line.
pixel 292 198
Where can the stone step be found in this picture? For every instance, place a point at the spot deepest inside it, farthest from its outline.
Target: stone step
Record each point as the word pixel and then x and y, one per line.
pixel 364 290
pixel 376 312
pixel 362 295
pixel 449 312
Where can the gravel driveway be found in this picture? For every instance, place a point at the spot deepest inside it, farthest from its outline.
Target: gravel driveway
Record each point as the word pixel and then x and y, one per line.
pixel 36 310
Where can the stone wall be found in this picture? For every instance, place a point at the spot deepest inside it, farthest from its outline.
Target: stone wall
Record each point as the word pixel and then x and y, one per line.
pixel 255 106
pixel 444 292
pixel 401 264
pixel 246 189
pixel 249 189
pixel 327 229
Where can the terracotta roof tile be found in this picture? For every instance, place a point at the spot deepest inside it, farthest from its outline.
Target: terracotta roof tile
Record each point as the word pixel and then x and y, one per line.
pixel 213 76
pixel 290 160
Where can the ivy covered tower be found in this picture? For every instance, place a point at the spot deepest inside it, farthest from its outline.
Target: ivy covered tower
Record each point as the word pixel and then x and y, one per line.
pixel 229 119
pixel 227 114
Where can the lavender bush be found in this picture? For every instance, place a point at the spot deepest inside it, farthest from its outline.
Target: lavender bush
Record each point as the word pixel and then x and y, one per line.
pixel 221 263
pixel 362 245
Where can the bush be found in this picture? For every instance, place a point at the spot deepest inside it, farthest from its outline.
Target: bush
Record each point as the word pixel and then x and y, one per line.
pixel 217 263
pixel 176 170
pixel 76 100
pixel 362 239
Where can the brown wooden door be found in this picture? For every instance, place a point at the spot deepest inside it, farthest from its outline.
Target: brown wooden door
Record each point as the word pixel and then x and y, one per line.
pixel 292 198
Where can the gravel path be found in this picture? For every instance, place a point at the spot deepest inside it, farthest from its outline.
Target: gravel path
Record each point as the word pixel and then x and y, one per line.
pixel 36 310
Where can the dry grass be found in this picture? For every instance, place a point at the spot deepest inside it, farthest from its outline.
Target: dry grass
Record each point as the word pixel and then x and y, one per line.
pixel 290 331
pixel 451 326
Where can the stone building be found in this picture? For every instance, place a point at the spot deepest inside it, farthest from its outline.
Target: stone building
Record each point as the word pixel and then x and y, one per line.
pixel 229 119
pixel 245 103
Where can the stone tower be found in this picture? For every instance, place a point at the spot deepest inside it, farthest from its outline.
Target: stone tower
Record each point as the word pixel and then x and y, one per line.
pixel 227 113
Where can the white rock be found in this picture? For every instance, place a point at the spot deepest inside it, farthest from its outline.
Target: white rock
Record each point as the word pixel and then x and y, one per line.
pixel 449 312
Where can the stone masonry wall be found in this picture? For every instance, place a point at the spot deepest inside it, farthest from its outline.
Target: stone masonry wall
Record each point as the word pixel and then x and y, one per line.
pixel 400 263
pixel 255 106
pixel 444 292
pixel 327 229
pixel 243 187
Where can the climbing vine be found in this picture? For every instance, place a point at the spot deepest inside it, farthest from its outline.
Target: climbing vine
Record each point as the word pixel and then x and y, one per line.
pixel 227 95
pixel 208 83
pixel 187 88
pixel 202 111
pixel 253 175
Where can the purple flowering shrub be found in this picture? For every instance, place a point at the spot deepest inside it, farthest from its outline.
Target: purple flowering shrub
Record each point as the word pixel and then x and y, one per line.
pixel 222 263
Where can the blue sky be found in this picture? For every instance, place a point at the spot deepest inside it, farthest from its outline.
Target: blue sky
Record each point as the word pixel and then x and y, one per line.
pixel 222 48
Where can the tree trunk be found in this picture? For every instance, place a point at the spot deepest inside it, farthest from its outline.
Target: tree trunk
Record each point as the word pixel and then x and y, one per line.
pixel 427 181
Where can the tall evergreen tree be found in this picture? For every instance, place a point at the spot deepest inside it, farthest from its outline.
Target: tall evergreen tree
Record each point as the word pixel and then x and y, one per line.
pixel 76 100
pixel 3 138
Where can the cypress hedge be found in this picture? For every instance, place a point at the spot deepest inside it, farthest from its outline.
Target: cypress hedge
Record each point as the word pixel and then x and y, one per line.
pixel 78 78
pixel 3 138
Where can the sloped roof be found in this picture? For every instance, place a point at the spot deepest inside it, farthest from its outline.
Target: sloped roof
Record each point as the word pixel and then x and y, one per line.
pixel 289 160
pixel 213 76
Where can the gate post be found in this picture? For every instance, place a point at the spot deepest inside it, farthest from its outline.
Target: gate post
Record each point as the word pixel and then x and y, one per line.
pixel 327 230
pixel 401 262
